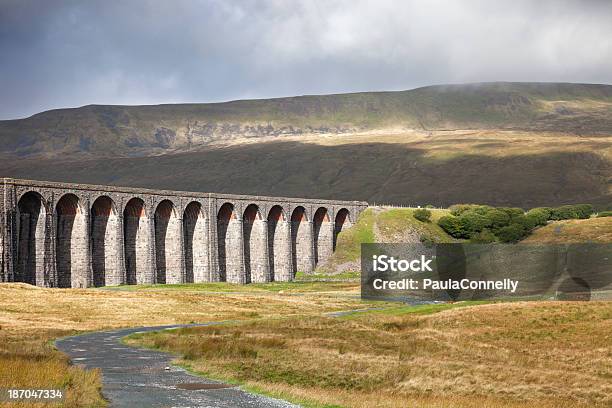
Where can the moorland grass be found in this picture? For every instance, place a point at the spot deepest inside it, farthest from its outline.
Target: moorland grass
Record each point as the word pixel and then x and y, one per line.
pixel 519 354
pixel 596 230
pixel 31 318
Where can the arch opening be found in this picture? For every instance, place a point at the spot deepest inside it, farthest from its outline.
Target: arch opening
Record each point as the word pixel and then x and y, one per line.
pixel 255 241
pixel 229 244
pixel 301 242
pixel 137 243
pixel 105 245
pixel 167 244
pixel 279 245
pixel 342 222
pixel 31 239
pixel 72 246
pixel 195 231
pixel 322 236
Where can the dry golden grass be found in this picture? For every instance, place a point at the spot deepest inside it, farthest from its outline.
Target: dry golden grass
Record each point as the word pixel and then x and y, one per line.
pixel 573 231
pixel 30 318
pixel 444 144
pixel 547 354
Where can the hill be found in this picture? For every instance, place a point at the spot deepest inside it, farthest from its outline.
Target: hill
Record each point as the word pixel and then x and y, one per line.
pixel 382 224
pixel 139 130
pixel 504 144
pixel 596 230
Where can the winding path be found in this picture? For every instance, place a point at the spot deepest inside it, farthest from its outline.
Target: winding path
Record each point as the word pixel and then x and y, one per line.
pixel 135 377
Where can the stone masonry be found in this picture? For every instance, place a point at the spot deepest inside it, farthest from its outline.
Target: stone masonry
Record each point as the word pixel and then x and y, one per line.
pixel 78 235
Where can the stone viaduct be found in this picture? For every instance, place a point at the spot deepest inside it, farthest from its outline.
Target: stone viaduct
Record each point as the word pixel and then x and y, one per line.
pixel 78 235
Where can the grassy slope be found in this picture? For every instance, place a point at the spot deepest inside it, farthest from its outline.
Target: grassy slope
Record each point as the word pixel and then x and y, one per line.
pixel 597 230
pixel 377 224
pixel 499 355
pixel 99 129
pixel 489 167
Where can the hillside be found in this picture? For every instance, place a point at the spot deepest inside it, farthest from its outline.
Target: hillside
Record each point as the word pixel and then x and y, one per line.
pixel 504 144
pixel 382 224
pixel 596 230
pixel 139 130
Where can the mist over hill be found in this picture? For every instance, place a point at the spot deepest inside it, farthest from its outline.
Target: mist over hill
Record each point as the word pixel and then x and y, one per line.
pixel 524 144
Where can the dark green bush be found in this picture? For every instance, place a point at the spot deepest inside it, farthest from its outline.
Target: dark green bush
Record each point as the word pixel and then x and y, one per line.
pixel 473 222
pixel 572 212
pixel 539 215
pixel 497 218
pixel 604 214
pixel 512 212
pixel 528 223
pixel 584 211
pixel 453 226
pixel 422 214
pixel 459 209
pixel 511 233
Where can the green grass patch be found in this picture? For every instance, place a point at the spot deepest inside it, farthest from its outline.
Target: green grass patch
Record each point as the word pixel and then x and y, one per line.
pixel 412 309
pixel 395 222
pixel 223 287
pixel 343 276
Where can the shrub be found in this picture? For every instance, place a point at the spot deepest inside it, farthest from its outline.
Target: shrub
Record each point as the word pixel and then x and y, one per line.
pixel 459 209
pixel 572 212
pixel 453 226
pixel 604 214
pixel 512 212
pixel 540 216
pixel 473 222
pixel 565 212
pixel 511 233
pixel 497 218
pixel 528 223
pixel 584 210
pixel 483 237
pixel 422 215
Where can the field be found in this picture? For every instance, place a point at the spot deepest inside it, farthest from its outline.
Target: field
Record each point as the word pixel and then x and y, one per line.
pixel 285 343
pixel 495 355
pixel 31 317
pixel 316 343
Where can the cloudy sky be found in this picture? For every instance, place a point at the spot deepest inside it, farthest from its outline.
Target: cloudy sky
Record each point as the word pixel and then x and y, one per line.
pixel 71 53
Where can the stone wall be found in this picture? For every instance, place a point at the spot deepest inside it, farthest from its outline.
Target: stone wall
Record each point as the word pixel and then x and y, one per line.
pixel 75 235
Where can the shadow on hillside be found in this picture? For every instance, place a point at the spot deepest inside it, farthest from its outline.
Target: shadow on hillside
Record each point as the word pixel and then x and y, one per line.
pixel 376 172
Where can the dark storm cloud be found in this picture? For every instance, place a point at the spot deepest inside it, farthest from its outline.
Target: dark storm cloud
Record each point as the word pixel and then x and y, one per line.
pixel 71 53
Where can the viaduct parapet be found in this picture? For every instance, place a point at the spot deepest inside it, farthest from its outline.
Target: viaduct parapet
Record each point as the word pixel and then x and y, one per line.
pixel 79 235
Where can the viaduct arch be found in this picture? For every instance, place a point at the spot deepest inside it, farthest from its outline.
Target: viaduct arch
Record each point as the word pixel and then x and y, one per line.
pixel 77 235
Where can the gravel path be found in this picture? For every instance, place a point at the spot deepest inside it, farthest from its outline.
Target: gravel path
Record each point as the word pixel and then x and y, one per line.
pixel 135 377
